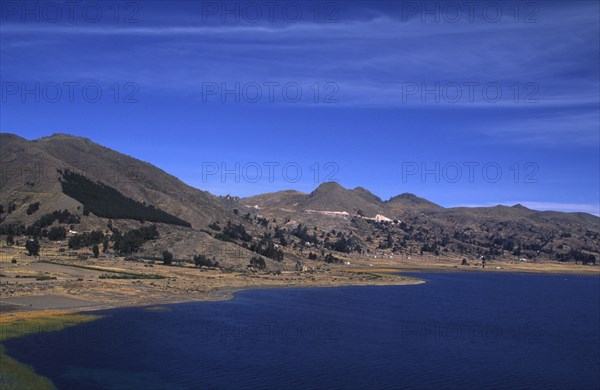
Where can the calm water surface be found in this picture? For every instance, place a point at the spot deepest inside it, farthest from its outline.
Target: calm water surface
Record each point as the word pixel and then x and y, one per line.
pixel 459 330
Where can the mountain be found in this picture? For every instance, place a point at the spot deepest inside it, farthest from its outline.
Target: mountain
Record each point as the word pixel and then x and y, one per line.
pixel 134 178
pixel 328 199
pixel 103 189
pixel 408 202
pixel 115 188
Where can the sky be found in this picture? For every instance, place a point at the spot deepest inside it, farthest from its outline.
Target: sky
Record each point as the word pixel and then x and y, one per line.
pixel 464 103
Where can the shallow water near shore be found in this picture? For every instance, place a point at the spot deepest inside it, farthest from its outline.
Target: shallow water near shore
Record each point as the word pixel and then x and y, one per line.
pixel 467 330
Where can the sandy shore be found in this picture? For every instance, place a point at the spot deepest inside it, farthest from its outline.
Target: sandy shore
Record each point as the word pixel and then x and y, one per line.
pixel 67 286
pixel 93 284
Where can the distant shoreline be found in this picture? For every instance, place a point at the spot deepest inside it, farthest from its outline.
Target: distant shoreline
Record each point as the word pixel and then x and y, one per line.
pixel 397 274
pixel 218 295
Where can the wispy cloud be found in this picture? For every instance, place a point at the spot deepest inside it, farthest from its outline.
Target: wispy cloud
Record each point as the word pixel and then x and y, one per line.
pixel 371 59
pixel 555 128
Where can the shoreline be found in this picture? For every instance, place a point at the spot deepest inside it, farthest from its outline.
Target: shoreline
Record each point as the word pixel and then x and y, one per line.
pixel 220 294
pixel 401 274
pixel 21 321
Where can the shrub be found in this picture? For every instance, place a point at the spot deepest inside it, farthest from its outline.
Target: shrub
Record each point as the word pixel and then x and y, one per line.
pixel 33 247
pixel 86 239
pixel 33 208
pixel 331 259
pixel 133 240
pixel 167 257
pixel 57 233
pixel 258 262
pixel 236 232
pixel 203 261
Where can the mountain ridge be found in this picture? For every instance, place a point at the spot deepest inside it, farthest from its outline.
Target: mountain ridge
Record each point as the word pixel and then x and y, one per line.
pixel 341 219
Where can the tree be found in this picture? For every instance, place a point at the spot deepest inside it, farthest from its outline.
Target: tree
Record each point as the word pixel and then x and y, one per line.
pixel 96 251
pixel 203 261
pixel 167 257
pixel 33 247
pixel 105 245
pixel 10 240
pixel 258 262
pixel 33 208
pixel 57 233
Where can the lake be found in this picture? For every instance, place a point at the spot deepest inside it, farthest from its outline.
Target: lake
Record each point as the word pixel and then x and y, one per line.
pixel 459 330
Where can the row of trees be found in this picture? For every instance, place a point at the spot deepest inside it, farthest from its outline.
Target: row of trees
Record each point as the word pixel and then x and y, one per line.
pixel 87 239
pixel 133 240
pixel 106 202
pixel 62 217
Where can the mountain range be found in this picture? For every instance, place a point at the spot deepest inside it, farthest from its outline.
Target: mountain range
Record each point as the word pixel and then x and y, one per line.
pixel 106 188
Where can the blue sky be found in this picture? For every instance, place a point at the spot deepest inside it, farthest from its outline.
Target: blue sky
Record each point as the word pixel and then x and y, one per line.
pixel 463 106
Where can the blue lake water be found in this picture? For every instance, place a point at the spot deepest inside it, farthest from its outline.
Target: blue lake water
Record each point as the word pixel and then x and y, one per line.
pixel 459 330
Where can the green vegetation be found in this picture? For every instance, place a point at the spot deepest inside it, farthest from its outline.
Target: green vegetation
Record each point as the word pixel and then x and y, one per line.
pixel 33 208
pixel 107 202
pixel 234 232
pixel 46 220
pixel 578 256
pixel 57 233
pixel 267 248
pixel 167 258
pixel 331 259
pixel 13 229
pixel 258 262
pixel 345 244
pixel 45 277
pixel 33 247
pixel 15 375
pixel 133 240
pixel 203 261
pixel 128 275
pixel 301 232
pixel 86 239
